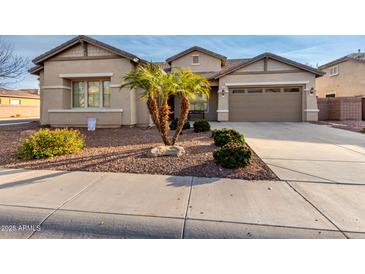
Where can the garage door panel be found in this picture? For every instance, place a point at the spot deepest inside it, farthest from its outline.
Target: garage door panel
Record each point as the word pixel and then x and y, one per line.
pixel 265 107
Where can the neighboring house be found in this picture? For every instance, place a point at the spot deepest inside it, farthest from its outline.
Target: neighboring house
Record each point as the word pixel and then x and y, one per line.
pixel 15 103
pixel 81 79
pixel 345 77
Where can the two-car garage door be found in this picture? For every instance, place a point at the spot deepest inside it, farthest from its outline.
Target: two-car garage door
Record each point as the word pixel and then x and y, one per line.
pixel 265 104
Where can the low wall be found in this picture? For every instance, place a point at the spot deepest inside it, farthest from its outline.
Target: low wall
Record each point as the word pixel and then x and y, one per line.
pixel 79 119
pixel 340 108
pixel 7 111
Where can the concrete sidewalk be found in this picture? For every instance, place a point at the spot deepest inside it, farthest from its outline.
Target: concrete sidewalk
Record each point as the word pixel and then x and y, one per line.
pixel 59 204
pixel 17 121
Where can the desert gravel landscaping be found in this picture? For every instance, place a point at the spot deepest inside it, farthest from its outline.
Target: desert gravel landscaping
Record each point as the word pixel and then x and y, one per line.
pixel 356 126
pixel 124 150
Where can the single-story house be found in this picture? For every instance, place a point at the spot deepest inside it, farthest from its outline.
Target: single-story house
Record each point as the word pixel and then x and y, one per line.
pixel 81 79
pixel 18 103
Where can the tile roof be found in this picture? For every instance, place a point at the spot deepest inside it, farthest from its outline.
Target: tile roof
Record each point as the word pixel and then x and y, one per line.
pixel 17 93
pixel 195 48
pixel 38 60
pixel 228 65
pixel 358 56
pixel 271 56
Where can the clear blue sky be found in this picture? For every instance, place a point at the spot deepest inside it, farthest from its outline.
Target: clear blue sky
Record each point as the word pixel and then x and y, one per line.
pixel 311 50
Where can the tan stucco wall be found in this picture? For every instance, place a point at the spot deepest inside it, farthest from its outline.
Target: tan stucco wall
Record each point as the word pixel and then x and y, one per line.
pixel 78 51
pixel 349 82
pixel 207 62
pixel 257 66
pixel 56 91
pixel 273 65
pixel 305 79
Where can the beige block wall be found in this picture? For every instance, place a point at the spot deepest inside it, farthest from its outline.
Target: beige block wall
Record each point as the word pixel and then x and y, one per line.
pixel 207 62
pixel 349 82
pixel 7 111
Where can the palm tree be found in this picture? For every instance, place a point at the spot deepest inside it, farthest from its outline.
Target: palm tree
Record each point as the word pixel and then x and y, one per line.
pixel 189 86
pixel 158 86
pixel 147 79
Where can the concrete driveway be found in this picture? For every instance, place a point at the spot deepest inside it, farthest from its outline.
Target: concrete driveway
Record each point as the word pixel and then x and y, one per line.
pixel 321 195
pixel 307 152
pixel 326 166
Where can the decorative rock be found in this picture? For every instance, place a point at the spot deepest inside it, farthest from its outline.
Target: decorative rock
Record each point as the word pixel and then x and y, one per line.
pixel 25 134
pixel 167 151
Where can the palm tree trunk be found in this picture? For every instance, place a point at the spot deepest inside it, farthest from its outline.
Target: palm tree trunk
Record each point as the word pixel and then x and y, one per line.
pixel 154 111
pixel 185 106
pixel 164 122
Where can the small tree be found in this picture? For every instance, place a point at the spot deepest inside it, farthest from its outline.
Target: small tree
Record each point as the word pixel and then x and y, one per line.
pixel 12 67
pixel 158 86
pixel 189 86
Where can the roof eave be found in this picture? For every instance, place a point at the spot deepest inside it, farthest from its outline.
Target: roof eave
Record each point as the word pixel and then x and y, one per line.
pixel 317 72
pixel 35 70
pixel 195 48
pixel 38 60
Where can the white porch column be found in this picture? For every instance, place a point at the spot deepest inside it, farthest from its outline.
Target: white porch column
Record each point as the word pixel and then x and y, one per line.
pixel 223 111
pixel 310 104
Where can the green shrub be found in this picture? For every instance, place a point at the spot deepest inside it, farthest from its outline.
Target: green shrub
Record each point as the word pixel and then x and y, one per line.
pixel 201 125
pixel 175 121
pixel 224 136
pixel 48 143
pixel 233 155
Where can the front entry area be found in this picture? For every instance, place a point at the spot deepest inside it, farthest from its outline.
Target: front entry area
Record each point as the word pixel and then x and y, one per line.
pixel 265 104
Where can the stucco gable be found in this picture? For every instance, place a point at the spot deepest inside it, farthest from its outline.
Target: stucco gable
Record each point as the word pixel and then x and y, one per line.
pixel 78 51
pixel 266 57
pixel 199 50
pixel 80 45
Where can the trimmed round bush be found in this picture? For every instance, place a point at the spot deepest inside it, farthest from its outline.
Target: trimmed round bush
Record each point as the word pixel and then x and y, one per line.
pixel 233 155
pixel 175 122
pixel 47 143
pixel 201 125
pixel 224 136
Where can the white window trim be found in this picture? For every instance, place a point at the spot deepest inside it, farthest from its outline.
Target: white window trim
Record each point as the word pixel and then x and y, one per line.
pixel 86 75
pixel 13 100
pixel 101 90
pixel 192 62
pixel 332 68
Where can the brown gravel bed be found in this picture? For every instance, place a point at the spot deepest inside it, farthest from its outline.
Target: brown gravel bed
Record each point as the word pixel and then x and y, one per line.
pixel 357 126
pixel 124 150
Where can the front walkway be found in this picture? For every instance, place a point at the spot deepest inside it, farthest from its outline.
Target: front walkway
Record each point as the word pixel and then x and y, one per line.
pixel 60 204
